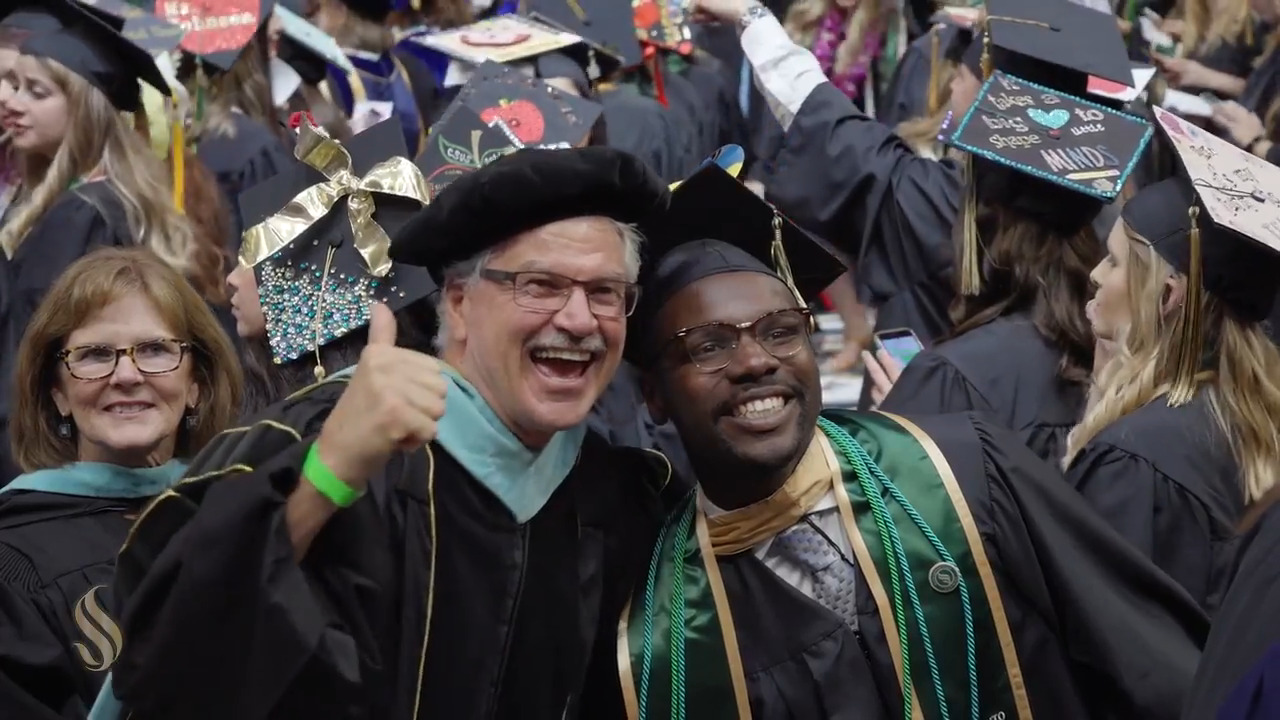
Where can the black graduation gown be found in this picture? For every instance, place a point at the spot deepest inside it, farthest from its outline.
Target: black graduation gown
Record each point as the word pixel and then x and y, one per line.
pixel 424 599
pixel 250 155
pixel 850 180
pixel 81 220
pixel 1005 368
pixel 695 113
pixel 1166 480
pixel 1261 86
pixel 641 126
pixel 621 417
pixel 1099 632
pixel 908 91
pixel 1246 624
pixel 58 635
pixel 709 78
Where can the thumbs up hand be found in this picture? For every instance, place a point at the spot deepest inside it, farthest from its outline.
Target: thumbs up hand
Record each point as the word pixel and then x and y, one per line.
pixel 393 401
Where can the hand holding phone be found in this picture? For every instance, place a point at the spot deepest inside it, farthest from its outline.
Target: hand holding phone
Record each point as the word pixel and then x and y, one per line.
pixel 900 343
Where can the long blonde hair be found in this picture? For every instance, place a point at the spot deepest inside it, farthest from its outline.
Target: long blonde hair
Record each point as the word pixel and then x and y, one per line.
pixel 1243 389
pixel 1206 27
pixel 101 141
pixel 804 17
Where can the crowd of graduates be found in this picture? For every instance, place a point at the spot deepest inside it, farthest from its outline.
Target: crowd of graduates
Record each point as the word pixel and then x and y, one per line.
pixel 399 359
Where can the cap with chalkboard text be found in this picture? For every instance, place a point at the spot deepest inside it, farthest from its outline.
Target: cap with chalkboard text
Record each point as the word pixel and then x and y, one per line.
pixel 1051 42
pixel 1219 224
pixel 1043 155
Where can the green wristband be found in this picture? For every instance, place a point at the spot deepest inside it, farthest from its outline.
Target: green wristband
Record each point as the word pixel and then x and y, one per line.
pixel 331 486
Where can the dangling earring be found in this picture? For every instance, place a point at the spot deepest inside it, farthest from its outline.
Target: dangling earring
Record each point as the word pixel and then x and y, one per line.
pixel 192 420
pixel 64 427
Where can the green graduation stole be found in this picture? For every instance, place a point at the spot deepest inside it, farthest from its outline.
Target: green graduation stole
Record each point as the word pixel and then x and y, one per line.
pixel 908 523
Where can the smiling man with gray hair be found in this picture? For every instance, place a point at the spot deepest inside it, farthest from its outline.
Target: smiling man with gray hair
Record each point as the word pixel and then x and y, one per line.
pixel 483 572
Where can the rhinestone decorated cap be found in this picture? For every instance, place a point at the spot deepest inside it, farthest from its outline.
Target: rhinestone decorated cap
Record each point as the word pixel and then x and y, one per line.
pixel 317 237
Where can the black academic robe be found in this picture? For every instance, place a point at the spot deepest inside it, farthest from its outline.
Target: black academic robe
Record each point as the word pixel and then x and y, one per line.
pixel 1005 368
pixel 694 112
pixel 708 76
pixel 1261 86
pixel 641 126
pixel 908 93
pixel 81 220
pixel 58 633
pixel 621 417
pixel 424 599
pixel 1099 633
pixel 1245 626
pixel 247 156
pixel 850 180
pixel 1166 480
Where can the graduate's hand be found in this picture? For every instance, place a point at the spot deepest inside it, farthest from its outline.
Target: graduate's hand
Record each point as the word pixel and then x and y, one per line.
pixel 1243 126
pixel 392 403
pixel 883 371
pixel 1182 72
pixel 726 11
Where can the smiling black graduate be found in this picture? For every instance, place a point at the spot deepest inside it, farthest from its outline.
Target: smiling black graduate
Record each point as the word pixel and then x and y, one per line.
pixel 826 552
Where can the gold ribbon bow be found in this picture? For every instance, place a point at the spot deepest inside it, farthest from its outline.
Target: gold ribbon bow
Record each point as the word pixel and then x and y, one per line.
pixel 393 176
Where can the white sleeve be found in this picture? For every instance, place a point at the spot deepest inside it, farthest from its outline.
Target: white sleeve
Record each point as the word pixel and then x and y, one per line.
pixel 785 73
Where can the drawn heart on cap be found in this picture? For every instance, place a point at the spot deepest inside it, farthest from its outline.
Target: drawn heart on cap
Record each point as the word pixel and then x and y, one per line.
pixel 1055 119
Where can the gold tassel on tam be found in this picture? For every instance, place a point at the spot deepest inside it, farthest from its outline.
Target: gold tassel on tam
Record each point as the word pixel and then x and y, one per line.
pixel 1189 333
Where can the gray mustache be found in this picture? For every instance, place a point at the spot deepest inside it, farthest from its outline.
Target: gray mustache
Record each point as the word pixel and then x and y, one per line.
pixel 559 340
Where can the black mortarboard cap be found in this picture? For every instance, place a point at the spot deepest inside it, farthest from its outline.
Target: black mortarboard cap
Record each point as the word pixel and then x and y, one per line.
pixel 216 31
pixel 1051 42
pixel 373 10
pixel 90 45
pixel 608 25
pixel 293 251
pixel 715 225
pixel 460 144
pixel 533 113
pixel 30 16
pixel 1219 224
pixel 526 190
pixel 143 28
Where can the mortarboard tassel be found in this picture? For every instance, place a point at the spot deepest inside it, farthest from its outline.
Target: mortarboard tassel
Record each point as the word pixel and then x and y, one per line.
pixel 783 266
pixel 970 263
pixel 178 151
pixel 1189 333
pixel 933 101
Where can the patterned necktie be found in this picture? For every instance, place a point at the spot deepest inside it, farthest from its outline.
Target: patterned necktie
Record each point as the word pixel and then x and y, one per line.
pixel 834 580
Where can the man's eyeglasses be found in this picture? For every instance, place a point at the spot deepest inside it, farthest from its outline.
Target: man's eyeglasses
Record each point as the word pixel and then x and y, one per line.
pixel 549 292
pixel 95 362
pixel 782 333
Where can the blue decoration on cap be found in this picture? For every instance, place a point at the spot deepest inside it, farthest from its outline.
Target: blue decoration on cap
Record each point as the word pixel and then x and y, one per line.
pixel 1075 143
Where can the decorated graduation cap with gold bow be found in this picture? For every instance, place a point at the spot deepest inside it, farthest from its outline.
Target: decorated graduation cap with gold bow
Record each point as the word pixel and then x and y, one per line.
pixel 1218 223
pixel 319 248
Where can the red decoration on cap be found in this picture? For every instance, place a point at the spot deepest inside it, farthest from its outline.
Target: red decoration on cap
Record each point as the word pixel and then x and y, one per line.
pixel 213 26
pixel 295 120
